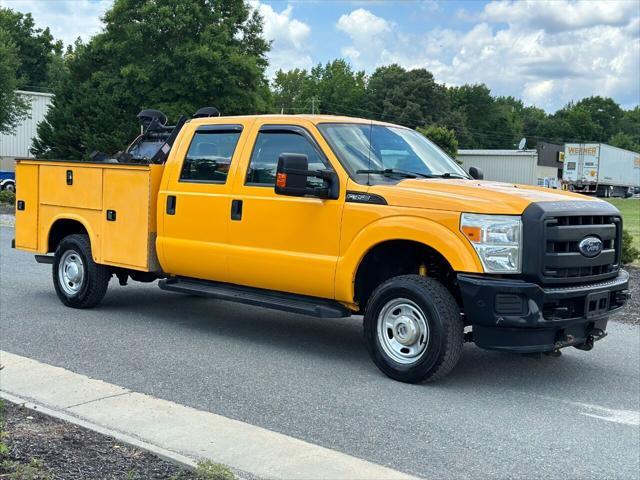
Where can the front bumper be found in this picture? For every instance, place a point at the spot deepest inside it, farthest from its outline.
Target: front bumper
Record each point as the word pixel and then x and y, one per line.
pixel 518 316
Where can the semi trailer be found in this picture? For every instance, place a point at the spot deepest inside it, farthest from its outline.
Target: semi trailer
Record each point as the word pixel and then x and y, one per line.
pixel 600 169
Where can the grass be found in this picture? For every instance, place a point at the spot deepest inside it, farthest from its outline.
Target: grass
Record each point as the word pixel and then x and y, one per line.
pixel 209 470
pixel 630 209
pixel 4 449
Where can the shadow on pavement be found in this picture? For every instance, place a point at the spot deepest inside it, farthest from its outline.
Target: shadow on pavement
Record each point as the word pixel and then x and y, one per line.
pixel 341 340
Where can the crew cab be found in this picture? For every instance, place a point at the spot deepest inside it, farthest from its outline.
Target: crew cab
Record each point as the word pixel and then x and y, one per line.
pixel 330 217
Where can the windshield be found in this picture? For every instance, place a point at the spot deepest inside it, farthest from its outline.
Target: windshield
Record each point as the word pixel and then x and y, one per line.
pixel 382 154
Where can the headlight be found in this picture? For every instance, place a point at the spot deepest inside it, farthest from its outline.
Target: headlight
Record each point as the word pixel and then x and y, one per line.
pixel 497 240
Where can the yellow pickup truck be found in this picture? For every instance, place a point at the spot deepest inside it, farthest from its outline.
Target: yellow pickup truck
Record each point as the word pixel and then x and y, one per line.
pixel 332 216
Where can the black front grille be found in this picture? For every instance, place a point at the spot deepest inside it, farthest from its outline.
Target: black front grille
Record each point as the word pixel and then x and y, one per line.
pixel 563 260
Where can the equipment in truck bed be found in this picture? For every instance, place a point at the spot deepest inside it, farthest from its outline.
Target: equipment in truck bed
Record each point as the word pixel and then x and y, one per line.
pixel 154 143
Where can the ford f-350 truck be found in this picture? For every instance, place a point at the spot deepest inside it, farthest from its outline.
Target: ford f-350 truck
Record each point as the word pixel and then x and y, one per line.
pixel 332 216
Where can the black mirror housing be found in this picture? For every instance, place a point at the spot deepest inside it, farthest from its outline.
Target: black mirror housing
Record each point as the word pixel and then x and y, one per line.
pixel 292 174
pixel 476 173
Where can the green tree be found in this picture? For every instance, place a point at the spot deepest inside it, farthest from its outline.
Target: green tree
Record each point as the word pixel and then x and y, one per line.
pixel 334 88
pixel 443 137
pixel 533 123
pixel 173 56
pixel 592 119
pixel 481 113
pixel 508 121
pixel 629 252
pixel 36 49
pixel 407 97
pixel 605 113
pixel 13 107
pixel 630 124
pixel 292 91
pixel 624 140
pixel 337 89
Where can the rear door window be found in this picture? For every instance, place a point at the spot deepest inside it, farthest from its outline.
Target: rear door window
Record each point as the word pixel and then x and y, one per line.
pixel 210 153
pixel 267 150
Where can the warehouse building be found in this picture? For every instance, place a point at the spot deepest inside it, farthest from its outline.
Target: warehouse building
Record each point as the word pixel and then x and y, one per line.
pixel 541 166
pixel 17 144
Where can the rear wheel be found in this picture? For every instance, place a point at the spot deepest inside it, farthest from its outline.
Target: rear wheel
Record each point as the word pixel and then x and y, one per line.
pixel 78 280
pixel 413 329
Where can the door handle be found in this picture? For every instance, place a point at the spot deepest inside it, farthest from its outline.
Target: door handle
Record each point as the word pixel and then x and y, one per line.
pixel 236 209
pixel 171 205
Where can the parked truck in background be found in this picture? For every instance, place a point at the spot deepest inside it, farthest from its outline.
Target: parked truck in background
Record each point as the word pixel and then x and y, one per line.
pixel 331 216
pixel 600 169
pixel 7 174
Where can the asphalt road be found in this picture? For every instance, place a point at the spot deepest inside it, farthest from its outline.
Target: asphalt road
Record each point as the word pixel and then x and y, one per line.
pixel 496 416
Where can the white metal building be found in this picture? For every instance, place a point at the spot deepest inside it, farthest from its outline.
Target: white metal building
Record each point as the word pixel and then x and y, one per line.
pixel 17 144
pixel 512 166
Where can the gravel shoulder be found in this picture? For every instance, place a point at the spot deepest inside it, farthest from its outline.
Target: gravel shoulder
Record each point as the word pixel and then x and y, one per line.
pixel 631 312
pixel 42 447
pixel 7 209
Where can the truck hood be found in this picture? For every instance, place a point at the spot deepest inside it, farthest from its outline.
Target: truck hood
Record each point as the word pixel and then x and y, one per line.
pixel 474 196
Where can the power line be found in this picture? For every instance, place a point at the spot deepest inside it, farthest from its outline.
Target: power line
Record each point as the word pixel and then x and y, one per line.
pixel 487 135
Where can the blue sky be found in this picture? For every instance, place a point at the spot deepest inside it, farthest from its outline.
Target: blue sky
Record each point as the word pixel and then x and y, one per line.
pixel 412 17
pixel 545 52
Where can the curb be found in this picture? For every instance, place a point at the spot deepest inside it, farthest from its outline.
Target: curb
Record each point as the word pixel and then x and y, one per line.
pixel 177 433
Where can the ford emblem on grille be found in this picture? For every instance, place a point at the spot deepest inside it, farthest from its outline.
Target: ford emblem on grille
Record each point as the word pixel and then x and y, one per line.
pixel 590 246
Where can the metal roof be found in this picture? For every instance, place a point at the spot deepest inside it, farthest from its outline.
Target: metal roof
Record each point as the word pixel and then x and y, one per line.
pixel 493 153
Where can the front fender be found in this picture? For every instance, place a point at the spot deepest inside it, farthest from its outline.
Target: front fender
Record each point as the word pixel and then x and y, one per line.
pixel 449 243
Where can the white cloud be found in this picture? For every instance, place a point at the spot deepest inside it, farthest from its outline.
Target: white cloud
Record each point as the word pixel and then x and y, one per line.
pixel 362 25
pixel 290 38
pixel 561 15
pixel 538 91
pixel 368 33
pixel 546 53
pixel 66 19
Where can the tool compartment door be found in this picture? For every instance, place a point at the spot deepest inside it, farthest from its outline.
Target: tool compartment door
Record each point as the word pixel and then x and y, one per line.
pixel 71 186
pixel 126 217
pixel 27 203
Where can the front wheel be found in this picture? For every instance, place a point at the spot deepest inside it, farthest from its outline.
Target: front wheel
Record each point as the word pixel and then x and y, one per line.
pixel 413 329
pixel 79 281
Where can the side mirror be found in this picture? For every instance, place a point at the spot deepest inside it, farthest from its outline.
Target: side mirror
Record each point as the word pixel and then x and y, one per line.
pixel 292 176
pixel 476 173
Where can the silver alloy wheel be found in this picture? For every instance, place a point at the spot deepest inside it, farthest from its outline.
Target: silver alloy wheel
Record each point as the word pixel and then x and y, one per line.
pixel 71 272
pixel 403 331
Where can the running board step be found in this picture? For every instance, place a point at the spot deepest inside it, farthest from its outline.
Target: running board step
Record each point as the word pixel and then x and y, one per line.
pixel 315 307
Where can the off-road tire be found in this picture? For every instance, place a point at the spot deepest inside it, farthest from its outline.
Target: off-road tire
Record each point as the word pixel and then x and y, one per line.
pixel 96 277
pixel 446 328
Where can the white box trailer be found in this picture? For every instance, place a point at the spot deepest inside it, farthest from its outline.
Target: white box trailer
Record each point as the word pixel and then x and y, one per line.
pixel 600 169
